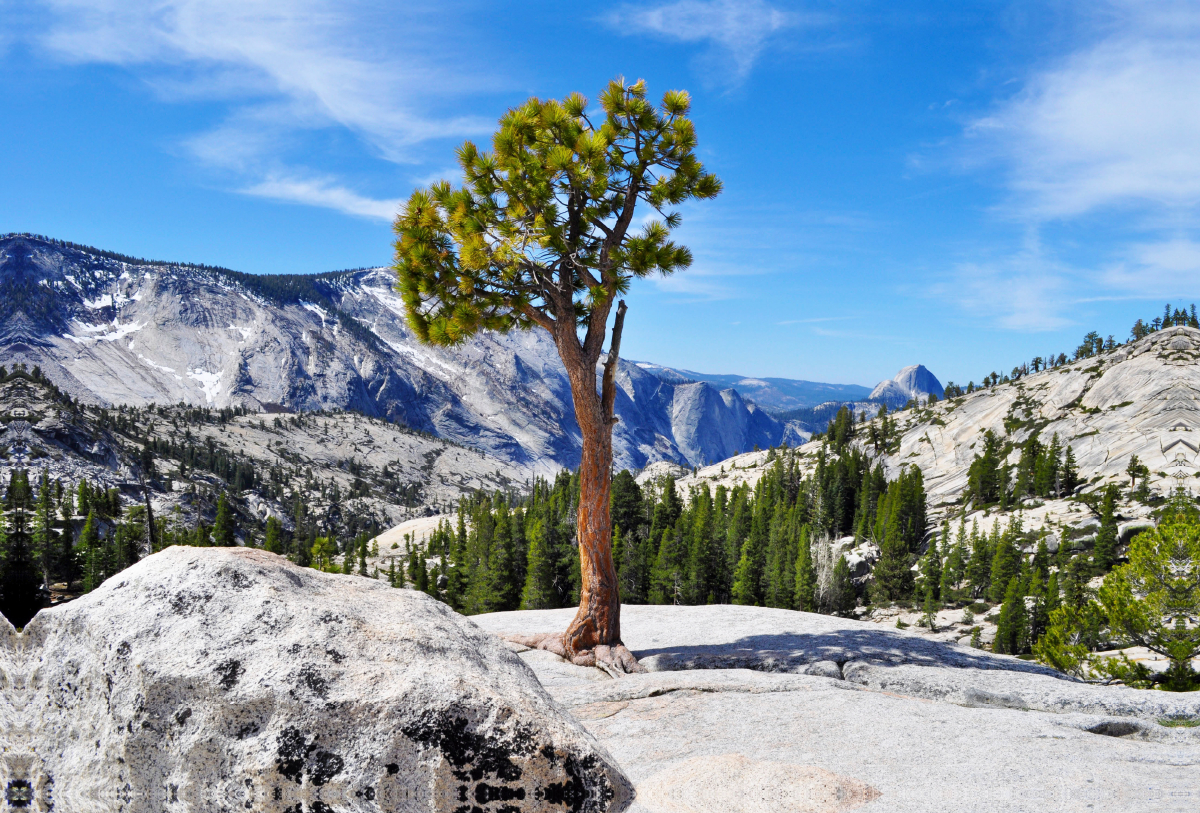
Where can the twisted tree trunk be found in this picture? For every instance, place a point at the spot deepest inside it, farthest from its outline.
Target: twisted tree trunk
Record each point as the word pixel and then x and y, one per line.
pixel 594 636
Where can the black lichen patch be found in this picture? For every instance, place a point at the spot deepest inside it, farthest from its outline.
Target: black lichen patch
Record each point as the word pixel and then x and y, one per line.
pixel 181 716
pixel 297 756
pixel 293 751
pixel 574 793
pixel 334 655
pixel 472 754
pixel 228 673
pixel 393 769
pixel 475 758
pixel 186 601
pixel 485 793
pixel 313 681
pixel 324 766
pixel 238 580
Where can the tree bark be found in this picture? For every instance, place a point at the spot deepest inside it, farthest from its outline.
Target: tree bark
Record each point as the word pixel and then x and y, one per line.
pixel 594 636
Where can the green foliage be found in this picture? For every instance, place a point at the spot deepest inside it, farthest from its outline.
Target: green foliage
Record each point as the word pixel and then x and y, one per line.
pixel 1149 602
pixel 274 538
pixel 540 231
pixel 324 548
pixel 900 527
pixel 1105 552
pixel 223 527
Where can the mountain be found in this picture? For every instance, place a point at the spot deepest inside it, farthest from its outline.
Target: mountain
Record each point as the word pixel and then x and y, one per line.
pixel 111 329
pixel 1140 399
pixel 774 394
pixel 912 383
pixel 354 473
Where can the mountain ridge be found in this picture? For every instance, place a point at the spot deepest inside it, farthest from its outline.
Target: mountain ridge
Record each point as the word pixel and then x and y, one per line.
pixel 110 329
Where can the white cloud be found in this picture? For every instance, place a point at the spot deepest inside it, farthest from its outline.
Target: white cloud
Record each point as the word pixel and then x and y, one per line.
pixel 1163 269
pixel 1025 292
pixel 1114 124
pixel 737 30
pixel 284 69
pixel 325 192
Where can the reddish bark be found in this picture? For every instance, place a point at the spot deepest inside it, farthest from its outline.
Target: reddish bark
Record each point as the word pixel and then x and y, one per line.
pixel 594 636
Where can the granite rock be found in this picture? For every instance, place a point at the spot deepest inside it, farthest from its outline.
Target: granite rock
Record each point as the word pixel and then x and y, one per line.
pixel 910 724
pixel 220 679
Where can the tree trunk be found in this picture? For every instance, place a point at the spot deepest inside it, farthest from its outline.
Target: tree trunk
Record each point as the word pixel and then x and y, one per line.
pixel 594 636
pixel 598 622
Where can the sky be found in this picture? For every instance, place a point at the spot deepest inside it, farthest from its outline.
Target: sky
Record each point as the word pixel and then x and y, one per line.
pixel 963 185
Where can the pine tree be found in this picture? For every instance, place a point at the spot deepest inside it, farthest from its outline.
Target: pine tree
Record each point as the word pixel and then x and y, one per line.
pixel 841 589
pixel 223 528
pixel 1012 612
pixel 806 575
pixel 1105 555
pixel 931 571
pixel 324 548
pixel 539 592
pixel 472 259
pixel 90 547
pixel 669 575
pixel 274 537
pixel 42 537
pixel 893 571
pixel 1006 562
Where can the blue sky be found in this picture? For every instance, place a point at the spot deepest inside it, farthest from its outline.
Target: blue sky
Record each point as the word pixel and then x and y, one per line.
pixel 963 185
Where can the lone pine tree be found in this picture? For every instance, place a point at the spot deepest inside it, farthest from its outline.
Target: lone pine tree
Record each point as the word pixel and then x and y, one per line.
pixel 542 235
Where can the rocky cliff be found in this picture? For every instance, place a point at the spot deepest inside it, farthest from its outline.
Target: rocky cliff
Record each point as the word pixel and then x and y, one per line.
pixel 914 383
pixel 116 330
pixel 1138 399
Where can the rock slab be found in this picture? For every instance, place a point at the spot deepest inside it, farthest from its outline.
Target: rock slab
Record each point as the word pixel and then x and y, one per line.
pixel 229 679
pixel 764 710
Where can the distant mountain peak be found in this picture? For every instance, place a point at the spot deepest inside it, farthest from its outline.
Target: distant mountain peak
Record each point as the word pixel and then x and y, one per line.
pixel 913 382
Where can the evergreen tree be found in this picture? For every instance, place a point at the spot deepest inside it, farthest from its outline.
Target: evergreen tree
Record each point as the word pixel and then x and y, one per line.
pixel 1012 612
pixel 842 589
pixel 21 595
pixel 955 567
pixel 323 550
pixel 669 575
pixel 474 259
pixel 931 572
pixel 223 528
pixel 893 571
pixel 806 575
pixel 628 510
pixel 92 551
pixel 1106 537
pixel 539 592
pixel 274 537
pixel 1006 562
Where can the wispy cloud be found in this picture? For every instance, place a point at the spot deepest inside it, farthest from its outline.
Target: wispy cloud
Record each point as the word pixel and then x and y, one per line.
pixel 326 192
pixel 736 31
pixel 694 286
pixel 1026 291
pixel 1156 270
pixel 1113 124
pixel 285 70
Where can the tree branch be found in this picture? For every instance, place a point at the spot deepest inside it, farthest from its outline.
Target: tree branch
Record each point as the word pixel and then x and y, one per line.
pixel 608 389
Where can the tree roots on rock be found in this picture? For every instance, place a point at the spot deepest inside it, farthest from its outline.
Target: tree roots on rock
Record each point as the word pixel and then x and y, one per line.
pixel 616 659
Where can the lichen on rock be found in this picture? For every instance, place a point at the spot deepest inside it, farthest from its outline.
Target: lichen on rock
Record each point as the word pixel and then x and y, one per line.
pixel 218 679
